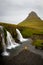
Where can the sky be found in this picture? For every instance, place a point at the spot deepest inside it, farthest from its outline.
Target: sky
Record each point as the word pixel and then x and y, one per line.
pixel 15 11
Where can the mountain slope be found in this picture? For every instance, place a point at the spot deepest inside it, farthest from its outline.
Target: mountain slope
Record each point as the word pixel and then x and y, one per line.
pixel 32 21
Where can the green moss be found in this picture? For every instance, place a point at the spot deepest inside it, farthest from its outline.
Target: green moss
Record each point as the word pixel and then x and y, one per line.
pixel 27 32
pixel 38 42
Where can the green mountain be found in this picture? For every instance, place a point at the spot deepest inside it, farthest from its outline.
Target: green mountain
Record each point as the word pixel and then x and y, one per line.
pixel 32 21
pixel 31 26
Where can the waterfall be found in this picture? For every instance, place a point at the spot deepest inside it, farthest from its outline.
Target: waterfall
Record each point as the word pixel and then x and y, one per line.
pixel 20 37
pixel 4 53
pixel 10 42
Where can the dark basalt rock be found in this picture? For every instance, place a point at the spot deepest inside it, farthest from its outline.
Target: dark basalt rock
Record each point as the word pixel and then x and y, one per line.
pixel 25 57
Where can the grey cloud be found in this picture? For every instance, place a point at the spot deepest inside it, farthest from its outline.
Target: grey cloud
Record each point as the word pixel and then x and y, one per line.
pixel 16 10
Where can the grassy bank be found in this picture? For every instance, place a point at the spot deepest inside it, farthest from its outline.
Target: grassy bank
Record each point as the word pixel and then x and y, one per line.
pixel 25 31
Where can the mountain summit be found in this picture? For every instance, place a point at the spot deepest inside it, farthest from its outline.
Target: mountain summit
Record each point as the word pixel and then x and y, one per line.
pixel 33 16
pixel 33 21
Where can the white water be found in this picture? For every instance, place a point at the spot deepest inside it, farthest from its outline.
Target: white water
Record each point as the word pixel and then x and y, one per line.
pixel 10 42
pixel 4 53
pixel 20 37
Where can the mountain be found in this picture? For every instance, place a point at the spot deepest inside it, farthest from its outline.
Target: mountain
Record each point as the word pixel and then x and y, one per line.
pixel 33 16
pixel 32 21
pixel 31 25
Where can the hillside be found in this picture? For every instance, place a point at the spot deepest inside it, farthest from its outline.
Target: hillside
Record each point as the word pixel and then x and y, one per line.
pixel 32 21
pixel 12 28
pixel 31 27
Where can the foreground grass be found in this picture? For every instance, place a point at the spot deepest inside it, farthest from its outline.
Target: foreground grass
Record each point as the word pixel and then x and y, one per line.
pixel 38 42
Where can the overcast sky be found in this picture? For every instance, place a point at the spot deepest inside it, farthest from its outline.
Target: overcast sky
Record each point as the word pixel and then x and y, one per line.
pixel 14 11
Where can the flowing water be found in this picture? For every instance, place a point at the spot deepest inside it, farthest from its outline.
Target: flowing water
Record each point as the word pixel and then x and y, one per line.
pixel 4 53
pixel 17 48
pixel 11 42
pixel 20 37
pixel 26 44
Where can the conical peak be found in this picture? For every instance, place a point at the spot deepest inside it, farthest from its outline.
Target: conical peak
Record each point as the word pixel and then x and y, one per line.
pixel 33 15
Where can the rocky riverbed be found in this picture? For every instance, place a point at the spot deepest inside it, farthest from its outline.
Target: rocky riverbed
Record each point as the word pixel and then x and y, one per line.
pixel 25 54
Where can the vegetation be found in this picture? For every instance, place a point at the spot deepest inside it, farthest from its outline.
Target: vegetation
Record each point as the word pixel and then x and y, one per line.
pixel 30 26
pixel 38 43
pixel 35 27
pixel 33 21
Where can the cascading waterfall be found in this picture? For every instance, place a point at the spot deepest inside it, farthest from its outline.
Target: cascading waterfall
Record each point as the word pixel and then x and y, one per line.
pixel 10 42
pixel 20 37
pixel 4 53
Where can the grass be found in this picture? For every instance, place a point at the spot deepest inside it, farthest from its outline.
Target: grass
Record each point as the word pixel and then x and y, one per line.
pixel 32 21
pixel 31 25
pixel 25 31
pixel 38 42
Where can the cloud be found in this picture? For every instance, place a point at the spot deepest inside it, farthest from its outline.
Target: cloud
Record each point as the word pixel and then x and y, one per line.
pixel 15 11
